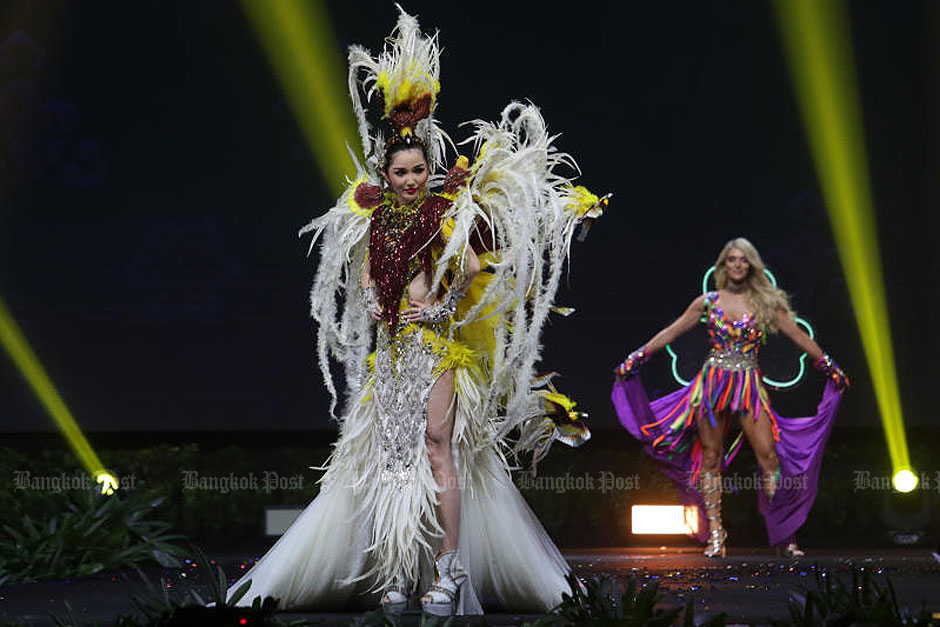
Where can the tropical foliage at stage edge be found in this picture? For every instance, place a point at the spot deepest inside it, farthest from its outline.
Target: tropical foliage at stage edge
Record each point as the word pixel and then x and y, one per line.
pixel 602 601
pixel 88 533
pixel 79 532
pixel 833 603
pixel 598 602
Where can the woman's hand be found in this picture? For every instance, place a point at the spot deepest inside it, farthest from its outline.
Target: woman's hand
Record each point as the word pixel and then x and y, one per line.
pixel 831 369
pixel 376 314
pixel 632 364
pixel 415 313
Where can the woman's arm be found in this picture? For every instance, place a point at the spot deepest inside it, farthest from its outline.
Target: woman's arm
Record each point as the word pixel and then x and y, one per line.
pixel 682 325
pixel 471 268
pixel 365 274
pixel 679 327
pixel 821 361
pixel 367 296
pixel 799 337
pixel 448 305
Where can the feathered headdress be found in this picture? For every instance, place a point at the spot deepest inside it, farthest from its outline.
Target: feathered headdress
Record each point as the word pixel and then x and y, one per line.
pixel 405 79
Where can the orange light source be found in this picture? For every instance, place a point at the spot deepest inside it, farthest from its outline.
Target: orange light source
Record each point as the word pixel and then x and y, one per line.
pixel 663 520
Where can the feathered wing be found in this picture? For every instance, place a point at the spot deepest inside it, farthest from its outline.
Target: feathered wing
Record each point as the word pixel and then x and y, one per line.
pixel 407 70
pixel 517 203
pixel 343 325
pixel 525 209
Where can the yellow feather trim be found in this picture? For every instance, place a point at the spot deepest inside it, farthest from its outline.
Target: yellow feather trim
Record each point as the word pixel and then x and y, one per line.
pixel 406 87
pixel 557 398
pixel 351 199
pixel 583 203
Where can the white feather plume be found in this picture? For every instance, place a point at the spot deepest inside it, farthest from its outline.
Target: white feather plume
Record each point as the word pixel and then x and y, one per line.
pixel 518 188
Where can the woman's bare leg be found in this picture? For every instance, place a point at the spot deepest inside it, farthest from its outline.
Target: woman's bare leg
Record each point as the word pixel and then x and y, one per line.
pixel 760 435
pixel 711 439
pixel 441 598
pixel 440 427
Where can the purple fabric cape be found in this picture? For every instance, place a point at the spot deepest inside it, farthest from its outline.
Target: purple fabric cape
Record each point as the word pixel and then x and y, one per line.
pixel 799 450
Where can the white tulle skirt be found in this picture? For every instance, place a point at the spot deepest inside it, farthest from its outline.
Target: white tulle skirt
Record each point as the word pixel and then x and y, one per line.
pixel 375 516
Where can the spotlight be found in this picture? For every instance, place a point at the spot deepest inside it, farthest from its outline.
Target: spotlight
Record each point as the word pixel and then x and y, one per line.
pixel 108 482
pixel 817 41
pixel 16 345
pixel 905 481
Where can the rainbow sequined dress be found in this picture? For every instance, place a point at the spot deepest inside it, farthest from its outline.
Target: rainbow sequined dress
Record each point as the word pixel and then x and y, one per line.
pixel 730 381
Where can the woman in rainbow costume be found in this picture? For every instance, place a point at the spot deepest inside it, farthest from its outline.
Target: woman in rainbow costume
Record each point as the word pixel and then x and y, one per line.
pixel 685 431
pixel 432 302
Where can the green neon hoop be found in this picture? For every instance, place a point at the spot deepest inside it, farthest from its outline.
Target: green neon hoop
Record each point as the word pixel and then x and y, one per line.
pixel 675 367
pixel 777 384
pixel 786 384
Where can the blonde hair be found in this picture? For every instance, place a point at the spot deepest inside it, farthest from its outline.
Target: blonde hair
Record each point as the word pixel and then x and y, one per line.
pixel 766 299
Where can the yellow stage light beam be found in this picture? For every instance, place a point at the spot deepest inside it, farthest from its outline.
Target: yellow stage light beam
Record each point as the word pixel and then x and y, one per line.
pixel 298 41
pixel 817 44
pixel 19 350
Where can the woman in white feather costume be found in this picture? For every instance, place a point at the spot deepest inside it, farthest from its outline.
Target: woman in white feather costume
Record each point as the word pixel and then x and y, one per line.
pixel 417 494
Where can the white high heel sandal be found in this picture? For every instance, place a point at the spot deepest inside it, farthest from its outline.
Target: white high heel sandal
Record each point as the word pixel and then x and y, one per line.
pixel 443 597
pixel 395 598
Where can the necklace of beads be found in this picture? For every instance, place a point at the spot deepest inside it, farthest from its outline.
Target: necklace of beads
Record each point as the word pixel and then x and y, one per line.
pixel 397 219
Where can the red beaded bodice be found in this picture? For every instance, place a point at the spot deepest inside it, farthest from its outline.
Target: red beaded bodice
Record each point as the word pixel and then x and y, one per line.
pixel 401 243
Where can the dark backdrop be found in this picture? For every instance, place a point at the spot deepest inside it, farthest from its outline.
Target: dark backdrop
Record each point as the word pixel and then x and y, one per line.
pixel 153 182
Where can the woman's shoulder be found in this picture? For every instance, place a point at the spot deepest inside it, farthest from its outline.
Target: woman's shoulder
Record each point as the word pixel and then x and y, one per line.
pixel 708 299
pixel 698 304
pixel 435 204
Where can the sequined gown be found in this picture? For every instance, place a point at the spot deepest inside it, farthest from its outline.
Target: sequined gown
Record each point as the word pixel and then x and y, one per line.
pixel 730 381
pixel 375 516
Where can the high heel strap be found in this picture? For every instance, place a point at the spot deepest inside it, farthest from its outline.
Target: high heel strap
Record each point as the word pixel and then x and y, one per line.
pixel 443 597
pixel 395 597
pixel 715 546
pixel 771 482
pixel 710 489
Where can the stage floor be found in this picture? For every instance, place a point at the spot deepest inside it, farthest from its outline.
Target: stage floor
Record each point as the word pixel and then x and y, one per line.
pixel 752 585
pixel 749 585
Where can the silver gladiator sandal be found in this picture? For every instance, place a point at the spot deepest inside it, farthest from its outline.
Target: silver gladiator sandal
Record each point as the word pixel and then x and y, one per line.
pixel 443 596
pixel 711 496
pixel 395 598
pixel 771 480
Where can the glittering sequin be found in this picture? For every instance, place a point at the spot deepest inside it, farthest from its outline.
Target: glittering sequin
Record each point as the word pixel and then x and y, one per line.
pixel 732 360
pixel 406 367
pixel 729 382
pixel 732 336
